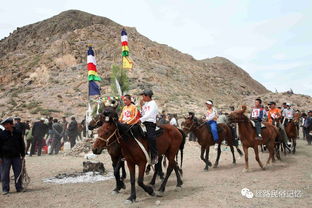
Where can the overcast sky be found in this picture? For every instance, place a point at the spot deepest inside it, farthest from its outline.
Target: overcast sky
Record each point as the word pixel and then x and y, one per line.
pixel 270 39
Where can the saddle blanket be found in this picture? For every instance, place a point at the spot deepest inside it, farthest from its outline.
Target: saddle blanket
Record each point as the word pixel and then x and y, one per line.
pixel 253 124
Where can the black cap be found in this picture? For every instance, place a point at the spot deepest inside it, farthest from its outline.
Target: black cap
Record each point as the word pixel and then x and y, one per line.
pixel 7 120
pixel 17 118
pixel 191 113
pixel 310 111
pixel 147 92
pixel 272 103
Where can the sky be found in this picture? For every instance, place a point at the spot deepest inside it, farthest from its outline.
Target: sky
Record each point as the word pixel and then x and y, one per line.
pixel 270 39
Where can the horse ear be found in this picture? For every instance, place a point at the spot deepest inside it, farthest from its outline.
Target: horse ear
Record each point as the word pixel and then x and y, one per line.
pixel 244 108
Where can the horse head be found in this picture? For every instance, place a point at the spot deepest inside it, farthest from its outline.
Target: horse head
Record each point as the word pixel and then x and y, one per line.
pixel 238 115
pixel 189 124
pixel 106 132
pixel 96 121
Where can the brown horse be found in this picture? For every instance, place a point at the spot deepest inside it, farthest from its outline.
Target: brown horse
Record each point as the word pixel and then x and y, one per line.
pixel 114 151
pixel 205 139
pixel 291 131
pixel 168 144
pixel 247 135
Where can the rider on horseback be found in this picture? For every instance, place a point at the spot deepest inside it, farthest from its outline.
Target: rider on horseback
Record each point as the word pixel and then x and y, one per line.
pixel 130 114
pixel 288 114
pixel 275 114
pixel 257 116
pixel 211 119
pixel 149 110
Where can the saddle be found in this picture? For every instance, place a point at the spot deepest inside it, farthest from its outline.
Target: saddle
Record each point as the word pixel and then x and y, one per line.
pixel 140 131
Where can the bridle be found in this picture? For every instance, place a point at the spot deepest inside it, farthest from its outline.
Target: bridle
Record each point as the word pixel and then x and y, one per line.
pixel 118 136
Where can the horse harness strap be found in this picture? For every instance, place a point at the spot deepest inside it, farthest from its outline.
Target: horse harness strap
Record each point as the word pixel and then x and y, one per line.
pixel 148 159
pixel 107 140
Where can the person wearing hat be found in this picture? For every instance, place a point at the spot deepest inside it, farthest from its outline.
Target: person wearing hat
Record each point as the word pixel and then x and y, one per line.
pixel 149 111
pixel 287 114
pixel 257 114
pixel 211 119
pixel 20 126
pixel 12 152
pixel 39 130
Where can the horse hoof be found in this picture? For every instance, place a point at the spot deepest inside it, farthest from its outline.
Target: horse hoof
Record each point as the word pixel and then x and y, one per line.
pixel 159 193
pixel 209 163
pixel 215 166
pixel 115 192
pixel 129 201
pixel 178 188
pixel 206 169
pixel 245 170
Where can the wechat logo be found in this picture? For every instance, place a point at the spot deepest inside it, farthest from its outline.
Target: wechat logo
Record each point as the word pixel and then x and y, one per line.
pixel 247 193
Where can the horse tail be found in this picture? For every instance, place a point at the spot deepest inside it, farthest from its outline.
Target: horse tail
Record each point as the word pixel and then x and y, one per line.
pixel 182 146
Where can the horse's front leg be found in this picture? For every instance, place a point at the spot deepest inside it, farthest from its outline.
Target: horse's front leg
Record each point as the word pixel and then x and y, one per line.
pixel 132 197
pixel 218 155
pixel 257 156
pixel 119 183
pixel 146 188
pixel 208 163
pixel 233 155
pixel 123 170
pixel 245 149
pixel 294 145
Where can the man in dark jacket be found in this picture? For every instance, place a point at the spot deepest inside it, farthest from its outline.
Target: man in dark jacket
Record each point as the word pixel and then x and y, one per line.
pixel 57 136
pixel 12 152
pixel 38 131
pixel 72 132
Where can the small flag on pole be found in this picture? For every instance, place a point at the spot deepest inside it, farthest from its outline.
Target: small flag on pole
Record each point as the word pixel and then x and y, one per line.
pixel 94 88
pixel 127 63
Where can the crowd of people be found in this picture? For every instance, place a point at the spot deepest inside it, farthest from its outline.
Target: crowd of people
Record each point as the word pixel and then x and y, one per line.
pixel 18 138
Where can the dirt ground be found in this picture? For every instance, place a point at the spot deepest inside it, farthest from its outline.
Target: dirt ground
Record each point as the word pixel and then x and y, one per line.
pixel 219 187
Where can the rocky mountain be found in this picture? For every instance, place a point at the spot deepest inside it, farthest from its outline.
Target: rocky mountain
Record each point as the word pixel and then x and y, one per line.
pixel 43 69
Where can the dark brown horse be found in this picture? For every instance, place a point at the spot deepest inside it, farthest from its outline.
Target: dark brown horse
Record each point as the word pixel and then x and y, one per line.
pixel 247 135
pixel 205 139
pixel 114 151
pixel 168 144
pixel 291 131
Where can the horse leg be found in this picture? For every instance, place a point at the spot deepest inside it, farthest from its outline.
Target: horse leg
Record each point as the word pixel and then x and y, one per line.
pixel 132 197
pixel 119 183
pixel 202 152
pixel 271 154
pixel 257 156
pixel 208 163
pixel 239 151
pixel 294 145
pixel 155 173
pixel 123 170
pixel 177 172
pixel 277 150
pixel 160 170
pixel 146 188
pixel 218 156
pixel 232 150
pixel 170 167
pixel 246 158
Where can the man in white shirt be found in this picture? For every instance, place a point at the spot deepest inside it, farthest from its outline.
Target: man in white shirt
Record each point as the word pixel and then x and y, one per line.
pixel 149 111
pixel 288 114
pixel 173 120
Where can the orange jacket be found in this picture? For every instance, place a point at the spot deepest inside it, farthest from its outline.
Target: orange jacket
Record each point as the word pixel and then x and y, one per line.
pixel 129 115
pixel 274 113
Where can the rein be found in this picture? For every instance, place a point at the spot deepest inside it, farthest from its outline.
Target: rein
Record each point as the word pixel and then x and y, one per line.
pixel 113 134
